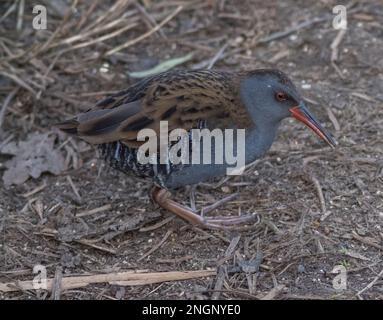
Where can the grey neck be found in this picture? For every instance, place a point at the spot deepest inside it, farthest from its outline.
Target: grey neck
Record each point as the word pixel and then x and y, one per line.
pixel 258 141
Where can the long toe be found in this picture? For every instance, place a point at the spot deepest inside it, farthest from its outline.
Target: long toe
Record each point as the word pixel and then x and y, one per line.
pixel 230 223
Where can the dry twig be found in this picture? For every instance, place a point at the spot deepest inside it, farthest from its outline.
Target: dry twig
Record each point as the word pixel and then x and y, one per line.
pixel 6 103
pixel 168 233
pixel 371 284
pixel 145 35
pixel 127 278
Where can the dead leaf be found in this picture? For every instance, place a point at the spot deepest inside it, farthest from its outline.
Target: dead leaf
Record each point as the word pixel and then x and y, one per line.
pixel 31 158
pixel 162 67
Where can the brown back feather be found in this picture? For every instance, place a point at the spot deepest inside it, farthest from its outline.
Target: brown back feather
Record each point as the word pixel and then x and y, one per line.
pixel 183 98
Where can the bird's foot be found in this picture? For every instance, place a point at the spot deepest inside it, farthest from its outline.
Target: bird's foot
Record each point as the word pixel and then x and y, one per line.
pixel 229 223
pixel 161 197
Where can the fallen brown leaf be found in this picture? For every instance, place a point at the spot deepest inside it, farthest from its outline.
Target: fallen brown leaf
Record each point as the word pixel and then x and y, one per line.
pixel 31 158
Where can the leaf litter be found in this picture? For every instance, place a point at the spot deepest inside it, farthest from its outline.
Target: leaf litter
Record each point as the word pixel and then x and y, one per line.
pixel 31 158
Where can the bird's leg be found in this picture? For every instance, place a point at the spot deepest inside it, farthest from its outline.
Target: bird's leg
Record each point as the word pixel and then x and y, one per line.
pixel 162 198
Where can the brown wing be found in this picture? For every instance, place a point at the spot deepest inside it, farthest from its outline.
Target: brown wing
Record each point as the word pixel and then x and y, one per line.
pixel 182 98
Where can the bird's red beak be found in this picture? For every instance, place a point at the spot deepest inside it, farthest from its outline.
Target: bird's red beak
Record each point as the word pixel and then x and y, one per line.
pixel 302 114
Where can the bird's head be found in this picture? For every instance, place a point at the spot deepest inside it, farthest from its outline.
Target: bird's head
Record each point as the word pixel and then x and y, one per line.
pixel 270 96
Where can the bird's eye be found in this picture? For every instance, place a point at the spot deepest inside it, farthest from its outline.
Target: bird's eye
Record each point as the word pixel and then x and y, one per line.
pixel 281 96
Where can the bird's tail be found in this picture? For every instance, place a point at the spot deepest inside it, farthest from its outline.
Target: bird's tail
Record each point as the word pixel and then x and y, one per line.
pixel 69 126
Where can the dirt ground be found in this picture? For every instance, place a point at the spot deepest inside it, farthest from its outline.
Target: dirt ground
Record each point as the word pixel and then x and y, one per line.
pixel 319 208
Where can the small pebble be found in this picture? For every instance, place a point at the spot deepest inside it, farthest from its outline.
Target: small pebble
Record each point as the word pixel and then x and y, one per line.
pixel 225 189
pixel 104 68
pixel 301 268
